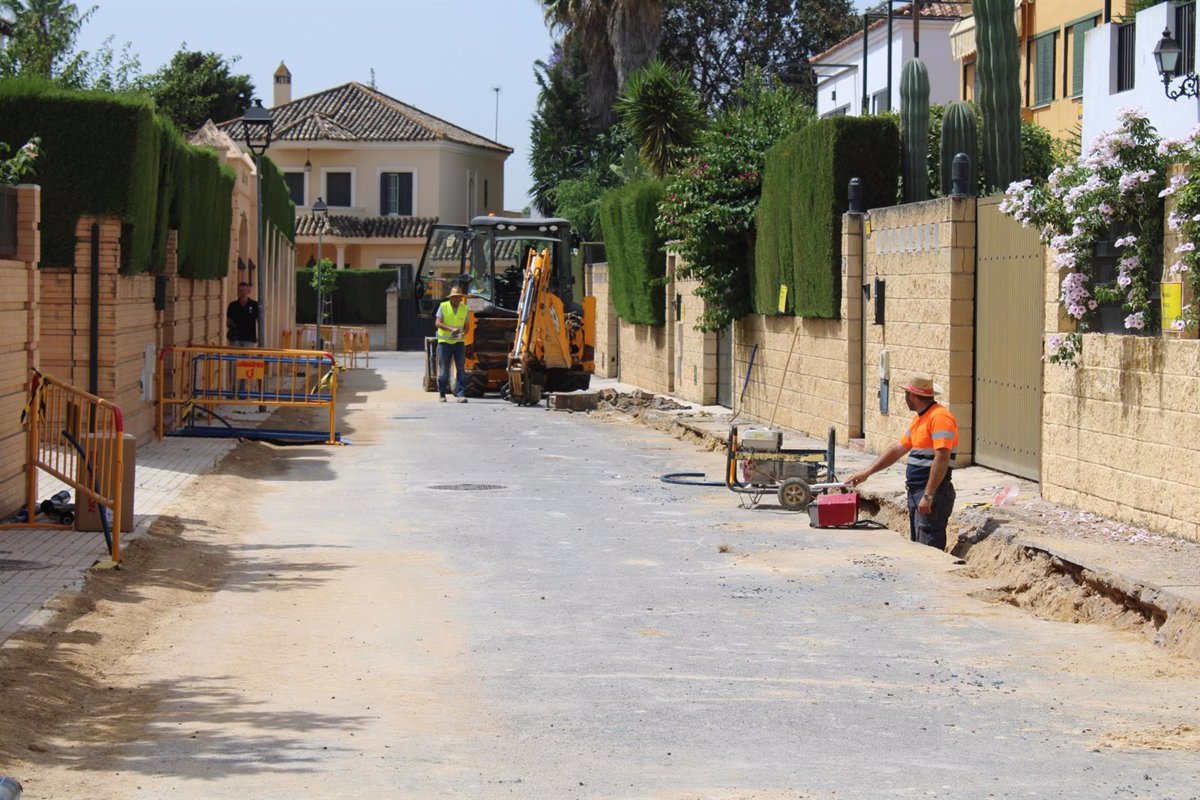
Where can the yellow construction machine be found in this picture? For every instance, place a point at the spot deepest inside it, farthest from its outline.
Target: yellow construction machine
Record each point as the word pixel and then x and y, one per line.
pixel 492 260
pixel 554 345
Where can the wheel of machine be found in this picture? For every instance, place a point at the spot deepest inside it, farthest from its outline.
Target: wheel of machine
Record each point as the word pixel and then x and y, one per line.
pixel 476 384
pixel 794 494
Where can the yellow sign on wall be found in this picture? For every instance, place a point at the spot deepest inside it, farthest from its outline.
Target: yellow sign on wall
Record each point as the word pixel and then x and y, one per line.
pixel 1172 303
pixel 782 298
pixel 250 369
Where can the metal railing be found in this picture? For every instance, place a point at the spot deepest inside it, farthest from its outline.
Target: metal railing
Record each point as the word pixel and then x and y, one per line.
pixel 1185 34
pixel 351 345
pixel 77 438
pixel 192 378
pixel 1126 56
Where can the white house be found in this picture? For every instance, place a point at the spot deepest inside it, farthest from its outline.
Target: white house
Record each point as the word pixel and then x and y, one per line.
pixel 1120 71
pixel 853 71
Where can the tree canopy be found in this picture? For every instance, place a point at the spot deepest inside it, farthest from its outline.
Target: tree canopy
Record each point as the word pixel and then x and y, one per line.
pixel 196 86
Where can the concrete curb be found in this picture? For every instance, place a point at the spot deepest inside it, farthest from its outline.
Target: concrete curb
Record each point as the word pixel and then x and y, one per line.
pixel 1168 620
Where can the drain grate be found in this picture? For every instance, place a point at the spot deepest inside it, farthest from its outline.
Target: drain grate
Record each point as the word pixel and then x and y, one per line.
pixel 467 487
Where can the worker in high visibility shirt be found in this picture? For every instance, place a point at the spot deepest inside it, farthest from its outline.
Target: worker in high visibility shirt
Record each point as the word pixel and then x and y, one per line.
pixel 932 445
pixel 451 322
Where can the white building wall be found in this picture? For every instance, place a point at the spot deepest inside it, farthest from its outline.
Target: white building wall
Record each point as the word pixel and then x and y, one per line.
pixel 1173 118
pixel 844 88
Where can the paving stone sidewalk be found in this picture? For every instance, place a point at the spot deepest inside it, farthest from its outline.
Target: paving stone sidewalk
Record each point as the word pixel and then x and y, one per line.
pixel 36 565
pixel 1144 565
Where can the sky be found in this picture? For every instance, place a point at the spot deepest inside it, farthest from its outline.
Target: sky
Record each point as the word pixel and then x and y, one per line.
pixel 442 56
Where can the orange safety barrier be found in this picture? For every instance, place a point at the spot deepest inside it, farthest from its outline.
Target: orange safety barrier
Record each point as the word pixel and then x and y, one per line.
pixel 207 377
pixel 77 438
pixel 349 344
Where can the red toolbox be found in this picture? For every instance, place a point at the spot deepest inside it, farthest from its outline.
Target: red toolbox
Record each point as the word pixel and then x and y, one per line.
pixel 834 510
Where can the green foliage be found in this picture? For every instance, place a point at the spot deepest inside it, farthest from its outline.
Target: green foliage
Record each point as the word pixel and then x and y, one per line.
pixel 12 170
pixel 998 69
pixel 195 86
pixel 562 140
pixel 278 208
pixel 662 114
pixel 804 197
pixel 914 129
pixel 359 295
pixel 721 43
pixel 106 154
pixel 710 203
pixel 1040 152
pixel 578 200
pixel 43 41
pixel 636 262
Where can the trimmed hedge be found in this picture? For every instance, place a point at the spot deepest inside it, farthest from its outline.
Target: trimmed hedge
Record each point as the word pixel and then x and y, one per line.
pixel 111 154
pixel 804 196
pixel 360 296
pixel 278 208
pixel 636 261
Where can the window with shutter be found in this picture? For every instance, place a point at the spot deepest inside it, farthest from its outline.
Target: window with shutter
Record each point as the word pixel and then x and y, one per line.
pixel 1078 35
pixel 337 190
pixel 1043 69
pixel 295 184
pixel 395 194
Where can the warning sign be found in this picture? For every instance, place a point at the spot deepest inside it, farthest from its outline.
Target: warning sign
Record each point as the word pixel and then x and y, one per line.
pixel 249 369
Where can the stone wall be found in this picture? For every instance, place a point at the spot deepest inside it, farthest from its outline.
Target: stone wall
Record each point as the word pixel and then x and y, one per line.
pixel 925 254
pixel 822 383
pixel 596 284
pixel 696 351
pixel 20 292
pixel 647 352
pixel 1121 432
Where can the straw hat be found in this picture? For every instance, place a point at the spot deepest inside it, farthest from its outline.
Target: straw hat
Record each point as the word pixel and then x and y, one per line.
pixel 921 387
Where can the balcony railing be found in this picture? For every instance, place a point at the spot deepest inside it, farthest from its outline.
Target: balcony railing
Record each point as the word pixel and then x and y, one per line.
pixel 1185 34
pixel 1126 42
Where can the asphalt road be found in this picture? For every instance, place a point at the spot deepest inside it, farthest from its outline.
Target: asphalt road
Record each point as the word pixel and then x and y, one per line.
pixel 485 601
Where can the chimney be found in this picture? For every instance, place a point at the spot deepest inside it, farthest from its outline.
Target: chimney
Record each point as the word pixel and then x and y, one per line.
pixel 283 86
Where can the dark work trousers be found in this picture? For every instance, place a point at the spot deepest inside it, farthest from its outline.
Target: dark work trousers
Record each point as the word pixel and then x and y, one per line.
pixel 447 352
pixel 930 529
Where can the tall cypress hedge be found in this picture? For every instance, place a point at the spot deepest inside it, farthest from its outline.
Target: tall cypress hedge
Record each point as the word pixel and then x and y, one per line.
pixel 112 155
pixel 804 196
pixel 636 261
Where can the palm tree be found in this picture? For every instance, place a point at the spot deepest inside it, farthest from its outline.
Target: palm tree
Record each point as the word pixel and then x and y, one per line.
pixel 614 37
pixel 662 112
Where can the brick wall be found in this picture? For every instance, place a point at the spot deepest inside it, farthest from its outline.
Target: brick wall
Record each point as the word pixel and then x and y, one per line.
pixel 821 387
pixel 127 322
pixel 647 352
pixel 19 335
pixel 925 252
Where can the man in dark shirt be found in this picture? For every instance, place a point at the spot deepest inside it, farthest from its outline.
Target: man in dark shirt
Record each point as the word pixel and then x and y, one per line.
pixel 241 319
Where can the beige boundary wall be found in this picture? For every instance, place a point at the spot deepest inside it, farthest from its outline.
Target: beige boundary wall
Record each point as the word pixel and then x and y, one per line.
pixel 596 284
pixel 925 253
pixel 822 386
pixel 695 351
pixel 20 292
pixel 647 352
pixel 1121 432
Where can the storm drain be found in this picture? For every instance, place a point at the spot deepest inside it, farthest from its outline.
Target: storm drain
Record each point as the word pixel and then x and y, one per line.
pixel 467 487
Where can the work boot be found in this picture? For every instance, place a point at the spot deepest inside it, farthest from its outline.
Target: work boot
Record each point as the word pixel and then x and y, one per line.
pixel 460 399
pixel 441 398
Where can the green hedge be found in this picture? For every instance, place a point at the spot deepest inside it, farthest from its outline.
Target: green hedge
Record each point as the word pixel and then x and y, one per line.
pixel 108 154
pixel 804 196
pixel 636 261
pixel 360 296
pixel 278 208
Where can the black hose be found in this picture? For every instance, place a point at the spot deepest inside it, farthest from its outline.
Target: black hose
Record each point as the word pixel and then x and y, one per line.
pixel 220 419
pixel 96 488
pixel 677 479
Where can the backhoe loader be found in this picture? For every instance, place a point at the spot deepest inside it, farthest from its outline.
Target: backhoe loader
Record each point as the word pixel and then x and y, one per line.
pixel 489 259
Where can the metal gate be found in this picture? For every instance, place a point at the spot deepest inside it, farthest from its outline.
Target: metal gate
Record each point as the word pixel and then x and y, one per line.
pixel 1009 324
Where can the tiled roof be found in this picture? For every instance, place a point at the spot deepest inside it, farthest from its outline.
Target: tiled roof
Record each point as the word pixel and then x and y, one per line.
pixel 951 10
pixel 357 113
pixel 347 227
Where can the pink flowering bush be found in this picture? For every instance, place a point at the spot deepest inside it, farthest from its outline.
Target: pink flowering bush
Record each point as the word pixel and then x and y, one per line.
pixel 1185 219
pixel 1118 184
pixel 12 170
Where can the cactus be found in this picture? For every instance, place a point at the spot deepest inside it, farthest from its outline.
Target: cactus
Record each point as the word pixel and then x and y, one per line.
pixel 998 69
pixel 914 129
pixel 959 136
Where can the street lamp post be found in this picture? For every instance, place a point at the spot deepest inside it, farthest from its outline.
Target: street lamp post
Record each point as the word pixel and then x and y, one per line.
pixel 1167 56
pixel 320 213
pixel 257 127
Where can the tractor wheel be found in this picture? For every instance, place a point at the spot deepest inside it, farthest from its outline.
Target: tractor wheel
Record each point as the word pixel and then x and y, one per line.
pixel 794 494
pixel 476 384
